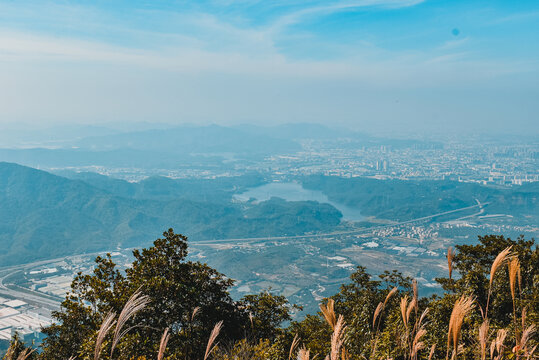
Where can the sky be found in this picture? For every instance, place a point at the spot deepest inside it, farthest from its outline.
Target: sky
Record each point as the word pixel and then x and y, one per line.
pixel 371 65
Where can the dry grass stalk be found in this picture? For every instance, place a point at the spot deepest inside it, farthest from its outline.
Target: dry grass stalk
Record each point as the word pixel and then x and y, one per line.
pixel 514 269
pixel 500 338
pixel 450 256
pixel 376 314
pixel 492 348
pixel 423 316
pixel 403 306
pixel 329 313
pixel 530 354
pixel 431 353
pixel 9 352
pixel 526 335
pixel 136 302
pixel 25 354
pixel 417 344
pixel 214 333
pixel 106 326
pixel 412 306
pixel 461 308
pixel 389 295
pixel 498 262
pixel 293 346
pixel 345 355
pixel 194 313
pixel 303 354
pixel 483 338
pixel 163 344
pixel 337 338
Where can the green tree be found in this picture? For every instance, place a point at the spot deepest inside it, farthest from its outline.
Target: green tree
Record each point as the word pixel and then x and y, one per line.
pixel 473 264
pixel 266 312
pixel 186 297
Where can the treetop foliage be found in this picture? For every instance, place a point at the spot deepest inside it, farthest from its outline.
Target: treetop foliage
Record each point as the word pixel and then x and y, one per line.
pixel 490 301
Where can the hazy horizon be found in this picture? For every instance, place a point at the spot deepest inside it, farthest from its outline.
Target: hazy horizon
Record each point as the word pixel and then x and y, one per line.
pixel 399 66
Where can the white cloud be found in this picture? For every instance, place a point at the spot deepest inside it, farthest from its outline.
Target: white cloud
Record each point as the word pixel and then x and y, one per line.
pixel 204 67
pixel 340 6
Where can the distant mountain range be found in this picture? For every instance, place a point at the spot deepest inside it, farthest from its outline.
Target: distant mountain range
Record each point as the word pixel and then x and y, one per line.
pixel 44 215
pixel 172 147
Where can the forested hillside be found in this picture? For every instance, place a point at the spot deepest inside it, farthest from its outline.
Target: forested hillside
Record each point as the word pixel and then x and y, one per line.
pixel 405 200
pixel 45 215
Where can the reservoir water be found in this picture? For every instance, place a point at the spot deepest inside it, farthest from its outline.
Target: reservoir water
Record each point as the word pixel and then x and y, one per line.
pixel 292 191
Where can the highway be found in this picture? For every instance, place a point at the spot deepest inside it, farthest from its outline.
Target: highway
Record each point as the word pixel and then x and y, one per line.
pixel 27 295
pixel 337 233
pixel 52 303
pixel 32 297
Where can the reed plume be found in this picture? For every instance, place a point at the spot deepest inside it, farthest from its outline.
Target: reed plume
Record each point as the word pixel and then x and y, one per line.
pixel 500 338
pixel 417 344
pixel 136 302
pixel 492 348
pixel 526 335
pixel 329 313
pixel 214 333
pixel 483 338
pixel 163 344
pixel 411 306
pixel 498 262
pixel 303 354
pixel 380 308
pixel 431 353
pixel 403 307
pixel 462 307
pixel 25 354
pixel 376 313
pixel 389 295
pixel 194 313
pixel 423 316
pixel 293 346
pixel 104 329
pixel 337 338
pixel 514 270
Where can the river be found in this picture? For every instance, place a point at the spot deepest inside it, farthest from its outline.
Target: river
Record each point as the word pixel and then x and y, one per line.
pixel 292 191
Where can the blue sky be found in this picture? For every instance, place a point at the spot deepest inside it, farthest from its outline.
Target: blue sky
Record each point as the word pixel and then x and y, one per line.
pixel 407 65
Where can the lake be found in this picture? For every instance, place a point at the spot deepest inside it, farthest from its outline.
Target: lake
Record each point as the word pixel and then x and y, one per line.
pixel 292 191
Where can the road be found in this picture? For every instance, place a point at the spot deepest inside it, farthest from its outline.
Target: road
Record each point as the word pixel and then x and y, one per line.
pixel 27 295
pixel 337 233
pixel 49 302
pixel 32 297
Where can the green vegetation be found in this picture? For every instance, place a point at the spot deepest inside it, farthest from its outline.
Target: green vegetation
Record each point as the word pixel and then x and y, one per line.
pixel 167 307
pixel 405 199
pixel 46 216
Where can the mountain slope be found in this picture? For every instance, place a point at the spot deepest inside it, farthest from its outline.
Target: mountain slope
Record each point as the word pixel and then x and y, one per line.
pixel 45 215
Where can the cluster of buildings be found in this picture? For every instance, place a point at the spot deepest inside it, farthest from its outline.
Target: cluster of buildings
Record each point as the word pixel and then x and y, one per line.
pixel 420 233
pixel 17 316
pixel 483 163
